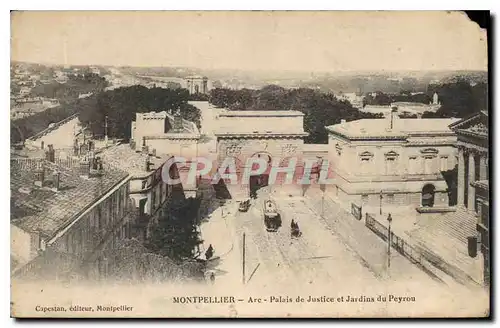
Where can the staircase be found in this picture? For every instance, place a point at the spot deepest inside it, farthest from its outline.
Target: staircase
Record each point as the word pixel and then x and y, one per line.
pixel 444 243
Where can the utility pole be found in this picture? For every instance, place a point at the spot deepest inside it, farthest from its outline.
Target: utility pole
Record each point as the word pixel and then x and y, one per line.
pixel 323 205
pixel 106 129
pixel 381 202
pixel 389 219
pixel 243 259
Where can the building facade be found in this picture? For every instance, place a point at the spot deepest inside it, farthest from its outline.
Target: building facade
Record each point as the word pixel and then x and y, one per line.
pixel 473 178
pixel 392 161
pixel 64 217
pixel 197 84
pixel 245 134
pixel 148 191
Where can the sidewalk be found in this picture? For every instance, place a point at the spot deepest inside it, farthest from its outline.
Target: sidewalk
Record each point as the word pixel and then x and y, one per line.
pixel 217 232
pixel 371 250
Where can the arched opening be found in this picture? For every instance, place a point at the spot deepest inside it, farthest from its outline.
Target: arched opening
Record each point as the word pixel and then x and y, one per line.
pixel 260 180
pixel 428 192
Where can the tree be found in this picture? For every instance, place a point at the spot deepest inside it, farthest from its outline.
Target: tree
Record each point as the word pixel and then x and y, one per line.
pixel 176 235
pixel 132 262
pixel 320 109
pixel 459 98
pixel 120 106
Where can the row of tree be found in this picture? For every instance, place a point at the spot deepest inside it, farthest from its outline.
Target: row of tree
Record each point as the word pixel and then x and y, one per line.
pixel 120 106
pixel 76 85
pixel 320 109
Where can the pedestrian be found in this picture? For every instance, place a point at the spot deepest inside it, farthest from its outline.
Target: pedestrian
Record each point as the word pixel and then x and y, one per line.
pixel 212 278
pixel 209 253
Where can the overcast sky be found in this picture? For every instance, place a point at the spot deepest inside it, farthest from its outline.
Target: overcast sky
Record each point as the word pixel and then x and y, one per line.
pixel 302 41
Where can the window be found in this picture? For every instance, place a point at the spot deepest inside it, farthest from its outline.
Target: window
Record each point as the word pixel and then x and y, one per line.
pixel 412 165
pixel 366 165
pixel 390 198
pixel 430 165
pixel 391 162
pixel 142 206
pixel 390 166
pixel 444 163
pixel 364 199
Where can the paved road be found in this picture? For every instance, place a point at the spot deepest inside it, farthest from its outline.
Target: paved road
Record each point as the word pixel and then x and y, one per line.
pixel 316 258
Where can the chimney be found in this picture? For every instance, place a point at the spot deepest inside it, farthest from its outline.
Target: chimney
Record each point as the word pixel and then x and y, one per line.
pixel 50 154
pixel 39 177
pixel 56 179
pixel 76 148
pixel 147 164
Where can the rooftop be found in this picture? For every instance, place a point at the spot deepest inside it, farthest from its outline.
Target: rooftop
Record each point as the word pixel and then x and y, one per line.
pixel 258 113
pixel 401 127
pixel 130 160
pixel 47 211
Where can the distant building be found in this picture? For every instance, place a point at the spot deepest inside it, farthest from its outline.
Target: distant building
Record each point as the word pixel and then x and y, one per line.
pixel 95 70
pixel 197 84
pixel 355 99
pixel 59 134
pixel 393 161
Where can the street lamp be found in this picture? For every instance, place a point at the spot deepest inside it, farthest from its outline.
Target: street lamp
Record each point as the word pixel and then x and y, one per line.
pixel 381 196
pixel 389 219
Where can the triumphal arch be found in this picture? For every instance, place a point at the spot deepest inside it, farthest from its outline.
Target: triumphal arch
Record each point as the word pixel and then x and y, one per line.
pixel 275 136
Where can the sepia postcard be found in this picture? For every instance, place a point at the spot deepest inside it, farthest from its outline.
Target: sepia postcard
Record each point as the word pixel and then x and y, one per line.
pixel 249 164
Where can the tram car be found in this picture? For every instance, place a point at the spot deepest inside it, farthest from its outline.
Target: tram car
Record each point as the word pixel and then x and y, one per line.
pixel 272 217
pixel 244 206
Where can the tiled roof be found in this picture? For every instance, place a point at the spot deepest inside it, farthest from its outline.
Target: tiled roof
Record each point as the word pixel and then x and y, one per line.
pixel 127 159
pixel 48 211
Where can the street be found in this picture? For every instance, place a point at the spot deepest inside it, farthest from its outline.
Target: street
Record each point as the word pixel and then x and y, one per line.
pixel 317 257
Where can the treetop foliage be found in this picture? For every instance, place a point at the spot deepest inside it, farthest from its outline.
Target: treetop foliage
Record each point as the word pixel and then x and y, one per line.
pixel 320 109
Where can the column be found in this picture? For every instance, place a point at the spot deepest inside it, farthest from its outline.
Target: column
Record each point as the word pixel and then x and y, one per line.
pixel 483 167
pixel 471 191
pixel 461 177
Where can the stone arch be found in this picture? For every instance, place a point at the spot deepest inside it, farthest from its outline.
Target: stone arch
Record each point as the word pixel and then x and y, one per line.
pixel 428 195
pixel 262 180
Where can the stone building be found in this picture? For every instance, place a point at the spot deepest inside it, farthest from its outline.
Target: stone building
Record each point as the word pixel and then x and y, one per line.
pixel 166 133
pixel 275 136
pixel 473 178
pixel 64 217
pixel 197 84
pixel 148 192
pixel 393 161
pixel 57 134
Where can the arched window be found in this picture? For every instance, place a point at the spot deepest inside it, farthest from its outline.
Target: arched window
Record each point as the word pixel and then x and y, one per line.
pixel 428 192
